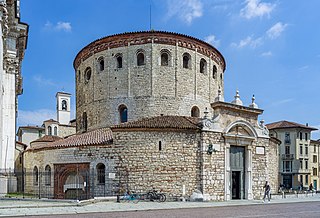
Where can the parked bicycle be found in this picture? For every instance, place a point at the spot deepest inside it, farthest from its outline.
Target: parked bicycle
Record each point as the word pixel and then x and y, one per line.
pixel 130 197
pixel 154 195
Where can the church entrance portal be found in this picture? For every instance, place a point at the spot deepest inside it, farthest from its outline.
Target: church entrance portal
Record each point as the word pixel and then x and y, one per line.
pixel 237 167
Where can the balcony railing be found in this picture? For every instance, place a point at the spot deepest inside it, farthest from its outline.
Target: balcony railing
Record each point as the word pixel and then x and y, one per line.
pixel 287 156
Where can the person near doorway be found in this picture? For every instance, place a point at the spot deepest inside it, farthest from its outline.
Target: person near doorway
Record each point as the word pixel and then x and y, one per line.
pixel 267 192
pixel 311 187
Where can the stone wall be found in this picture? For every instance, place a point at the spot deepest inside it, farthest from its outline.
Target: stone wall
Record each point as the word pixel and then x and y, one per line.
pixel 168 90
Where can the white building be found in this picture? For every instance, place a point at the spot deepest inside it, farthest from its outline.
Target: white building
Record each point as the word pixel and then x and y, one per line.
pixel 13 41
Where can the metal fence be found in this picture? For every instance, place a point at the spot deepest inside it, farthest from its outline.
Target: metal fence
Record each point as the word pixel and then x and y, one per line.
pixel 79 184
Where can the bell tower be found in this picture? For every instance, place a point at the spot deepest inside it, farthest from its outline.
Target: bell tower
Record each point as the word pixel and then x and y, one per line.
pixel 63 107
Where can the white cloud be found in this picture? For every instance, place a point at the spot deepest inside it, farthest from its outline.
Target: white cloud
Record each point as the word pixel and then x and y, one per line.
pixel 266 54
pixel 211 39
pixel 248 42
pixel 60 26
pixel 66 26
pixel 255 8
pixel 35 117
pixel 43 82
pixel 186 10
pixel 276 30
pixel 303 67
pixel 281 102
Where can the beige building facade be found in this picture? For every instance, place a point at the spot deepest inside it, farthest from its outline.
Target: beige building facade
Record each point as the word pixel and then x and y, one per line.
pixel 296 154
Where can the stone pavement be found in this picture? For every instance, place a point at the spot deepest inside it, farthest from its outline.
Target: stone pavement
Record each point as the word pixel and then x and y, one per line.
pixel 14 207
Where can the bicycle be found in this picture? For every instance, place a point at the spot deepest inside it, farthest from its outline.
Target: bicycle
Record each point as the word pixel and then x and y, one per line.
pixel 154 195
pixel 133 197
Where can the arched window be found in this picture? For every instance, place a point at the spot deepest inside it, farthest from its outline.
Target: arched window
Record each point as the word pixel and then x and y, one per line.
pixel 214 72
pixel 203 65
pixel 164 59
pixel 186 61
pixel 35 176
pixel 84 121
pixel 119 61
pixel 47 175
pixel 140 58
pixel 64 105
pixel 101 173
pixel 49 130
pixel 101 64
pixel 123 113
pixel 87 74
pixel 55 130
pixel 195 112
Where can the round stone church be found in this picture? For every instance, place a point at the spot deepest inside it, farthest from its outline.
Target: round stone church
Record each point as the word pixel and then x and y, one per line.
pixel 151 114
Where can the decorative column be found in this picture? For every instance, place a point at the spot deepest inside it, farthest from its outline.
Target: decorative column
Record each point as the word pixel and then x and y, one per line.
pixel 227 184
pixel 248 173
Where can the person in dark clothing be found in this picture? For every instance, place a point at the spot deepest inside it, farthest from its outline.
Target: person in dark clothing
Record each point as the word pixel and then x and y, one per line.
pixel 267 192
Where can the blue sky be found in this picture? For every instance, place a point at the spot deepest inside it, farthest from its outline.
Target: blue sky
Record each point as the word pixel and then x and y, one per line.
pixel 271 48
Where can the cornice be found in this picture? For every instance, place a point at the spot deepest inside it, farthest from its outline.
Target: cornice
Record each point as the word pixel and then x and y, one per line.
pixel 145 37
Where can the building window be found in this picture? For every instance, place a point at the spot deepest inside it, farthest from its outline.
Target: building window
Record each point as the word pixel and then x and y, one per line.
pixel 287 149
pixel 35 176
pixel 203 65
pixel 79 76
pixel 315 171
pixel 55 130
pixel 123 113
pixel 164 58
pixel 306 136
pixel 49 130
pixel 315 159
pixel 119 60
pixel 186 61
pixel 214 72
pixel 301 179
pixel 87 74
pixel 84 121
pixel 307 180
pixel 300 135
pixel 314 149
pixel 101 173
pixel 306 164
pixel 287 166
pixel 64 105
pixel 301 167
pixel 140 58
pixel 101 64
pixel 47 175
pixel 160 145
pixel 306 150
pixel 301 150
pixel 195 112
pixel 221 76
pixel 287 138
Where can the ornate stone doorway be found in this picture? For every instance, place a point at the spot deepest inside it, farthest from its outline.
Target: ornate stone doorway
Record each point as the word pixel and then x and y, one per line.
pixel 237 168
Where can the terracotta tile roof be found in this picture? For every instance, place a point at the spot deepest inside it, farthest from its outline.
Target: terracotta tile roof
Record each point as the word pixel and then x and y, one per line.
pixel 94 137
pixel 50 120
pixel 47 138
pixel 161 122
pixel 286 124
pixel 31 127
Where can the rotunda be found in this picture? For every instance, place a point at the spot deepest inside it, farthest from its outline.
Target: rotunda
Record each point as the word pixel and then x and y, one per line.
pixel 134 75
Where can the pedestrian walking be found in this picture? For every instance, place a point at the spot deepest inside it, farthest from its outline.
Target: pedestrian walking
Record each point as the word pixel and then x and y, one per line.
pixel 267 192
